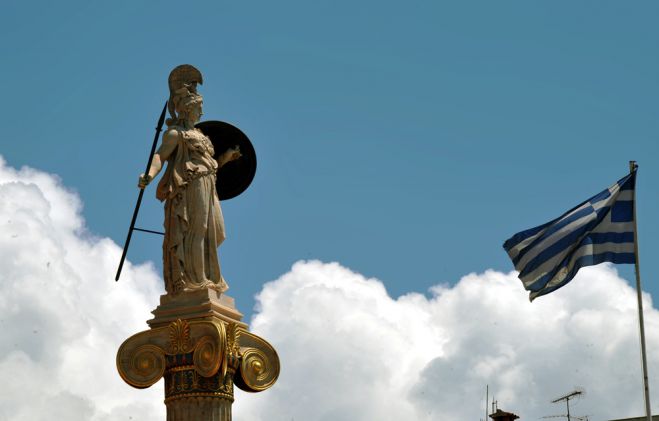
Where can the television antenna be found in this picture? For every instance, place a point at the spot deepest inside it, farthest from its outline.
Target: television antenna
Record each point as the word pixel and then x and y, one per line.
pixel 578 392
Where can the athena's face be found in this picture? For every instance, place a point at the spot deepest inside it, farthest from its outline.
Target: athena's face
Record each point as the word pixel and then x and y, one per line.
pixel 196 112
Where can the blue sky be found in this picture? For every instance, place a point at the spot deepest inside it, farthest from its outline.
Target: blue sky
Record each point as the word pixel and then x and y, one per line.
pixel 405 141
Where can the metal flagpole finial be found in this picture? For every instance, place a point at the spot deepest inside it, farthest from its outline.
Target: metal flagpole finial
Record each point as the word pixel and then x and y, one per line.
pixel 633 166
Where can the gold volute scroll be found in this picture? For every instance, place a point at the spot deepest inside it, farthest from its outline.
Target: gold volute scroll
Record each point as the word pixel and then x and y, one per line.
pixel 210 352
pixel 207 356
pixel 141 359
pixel 259 363
pixel 147 365
pixel 256 370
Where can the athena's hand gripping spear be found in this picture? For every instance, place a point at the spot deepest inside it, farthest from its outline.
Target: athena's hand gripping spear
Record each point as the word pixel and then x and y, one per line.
pixel 161 120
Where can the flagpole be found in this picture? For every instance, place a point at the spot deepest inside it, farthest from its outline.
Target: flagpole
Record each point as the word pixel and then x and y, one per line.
pixel 646 388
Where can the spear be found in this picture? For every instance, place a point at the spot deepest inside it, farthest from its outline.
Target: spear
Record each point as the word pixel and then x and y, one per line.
pixel 161 120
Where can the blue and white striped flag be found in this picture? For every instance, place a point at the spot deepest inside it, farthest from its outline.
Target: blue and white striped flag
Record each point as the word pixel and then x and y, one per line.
pixel 601 229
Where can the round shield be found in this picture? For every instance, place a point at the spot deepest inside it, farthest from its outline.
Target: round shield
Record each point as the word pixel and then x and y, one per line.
pixel 235 176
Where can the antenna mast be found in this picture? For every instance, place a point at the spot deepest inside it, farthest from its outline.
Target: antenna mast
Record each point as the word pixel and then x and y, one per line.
pixel 566 398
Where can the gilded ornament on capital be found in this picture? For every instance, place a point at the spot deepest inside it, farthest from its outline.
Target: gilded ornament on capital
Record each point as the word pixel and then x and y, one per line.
pixel 208 356
pixel 179 337
pixel 256 370
pixel 233 338
pixel 143 366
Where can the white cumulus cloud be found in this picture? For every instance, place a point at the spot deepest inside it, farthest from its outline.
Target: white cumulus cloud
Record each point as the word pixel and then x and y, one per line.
pixel 349 351
pixel 61 313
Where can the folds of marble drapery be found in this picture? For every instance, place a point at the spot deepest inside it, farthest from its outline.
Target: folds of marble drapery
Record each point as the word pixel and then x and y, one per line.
pixel 194 225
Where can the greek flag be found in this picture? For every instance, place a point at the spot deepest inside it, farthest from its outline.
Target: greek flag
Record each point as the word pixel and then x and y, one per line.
pixel 601 229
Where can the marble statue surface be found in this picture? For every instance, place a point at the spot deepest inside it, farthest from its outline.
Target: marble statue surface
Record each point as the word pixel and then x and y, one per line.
pixel 194 225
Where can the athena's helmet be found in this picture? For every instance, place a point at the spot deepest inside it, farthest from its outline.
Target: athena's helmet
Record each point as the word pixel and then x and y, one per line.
pixel 183 82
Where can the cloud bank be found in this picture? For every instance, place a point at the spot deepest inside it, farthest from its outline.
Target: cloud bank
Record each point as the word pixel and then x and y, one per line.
pixel 349 351
pixel 61 313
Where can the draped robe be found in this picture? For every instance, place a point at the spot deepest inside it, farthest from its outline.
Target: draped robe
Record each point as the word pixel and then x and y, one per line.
pixel 194 225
